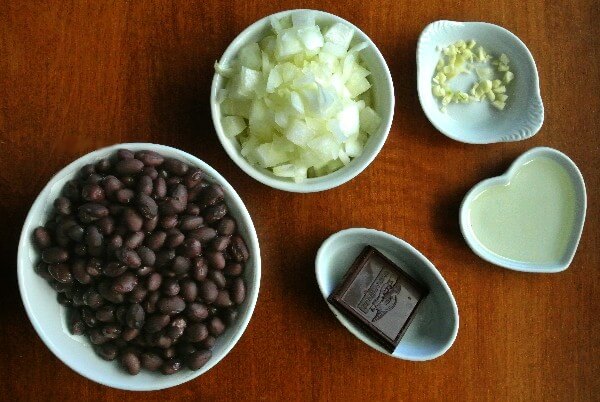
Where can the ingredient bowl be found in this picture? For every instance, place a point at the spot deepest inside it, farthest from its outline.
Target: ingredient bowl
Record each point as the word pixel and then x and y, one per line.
pixel 479 122
pixel 382 102
pixel 48 316
pixel 435 325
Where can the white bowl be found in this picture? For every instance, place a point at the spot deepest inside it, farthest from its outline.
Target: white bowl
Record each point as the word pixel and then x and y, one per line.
pixel 480 122
pixel 505 180
pixel 435 325
pixel 383 103
pixel 48 317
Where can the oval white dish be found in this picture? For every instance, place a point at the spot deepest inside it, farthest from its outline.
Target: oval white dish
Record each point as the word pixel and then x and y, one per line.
pixel 435 325
pixel 505 180
pixel 479 122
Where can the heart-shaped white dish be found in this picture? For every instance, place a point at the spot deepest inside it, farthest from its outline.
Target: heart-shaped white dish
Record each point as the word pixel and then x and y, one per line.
pixel 522 215
pixel 479 122
pixel 435 325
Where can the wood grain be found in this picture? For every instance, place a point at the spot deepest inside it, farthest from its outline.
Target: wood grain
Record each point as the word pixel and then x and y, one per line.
pixel 79 75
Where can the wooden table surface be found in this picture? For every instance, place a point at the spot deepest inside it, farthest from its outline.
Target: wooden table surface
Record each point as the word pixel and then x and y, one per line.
pixel 79 75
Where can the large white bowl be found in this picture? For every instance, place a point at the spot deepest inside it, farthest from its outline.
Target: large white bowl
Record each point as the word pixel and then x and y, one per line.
pixel 435 325
pixel 48 317
pixel 383 103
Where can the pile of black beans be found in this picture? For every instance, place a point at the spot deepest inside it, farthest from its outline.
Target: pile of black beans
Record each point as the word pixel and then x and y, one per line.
pixel 143 252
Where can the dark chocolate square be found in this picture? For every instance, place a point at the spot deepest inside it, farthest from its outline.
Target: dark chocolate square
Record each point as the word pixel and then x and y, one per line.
pixel 378 296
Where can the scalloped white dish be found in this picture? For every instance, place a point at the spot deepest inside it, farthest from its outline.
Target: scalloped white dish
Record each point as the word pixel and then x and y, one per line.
pixel 435 325
pixel 531 218
pixel 479 122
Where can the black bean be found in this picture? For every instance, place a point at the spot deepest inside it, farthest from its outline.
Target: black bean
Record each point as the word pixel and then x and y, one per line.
pixel 154 281
pixel 175 166
pixel 151 361
pixel 106 225
pixel 103 165
pixel 216 326
pixel 61 273
pixel 175 238
pixel 238 290
pixel 180 265
pixel 168 221
pixel 92 192
pixel 125 195
pixel 233 269
pixel 97 337
pixel 124 154
pixel 93 299
pixel 226 226
pixel 127 167
pixel 42 238
pixel 229 315
pixel 164 257
pixel 132 220
pixel 144 185
pixel 238 249
pixel 223 299
pixel 111 184
pixel 208 342
pixel 124 283
pixel 196 332
pixel 171 305
pixel 111 331
pixel 93 209
pixel 128 257
pixel 131 363
pixel 93 267
pixel 134 240
pixel 135 316
pixel 147 206
pixel 220 243
pixel 218 278
pixel 208 291
pixel 197 360
pixel 159 188
pixel 71 190
pixel 146 255
pixel 150 224
pixel 190 222
pixel 196 311
pixel 171 206
pixel 192 209
pixel 176 328
pixel 106 313
pixel 180 193
pixel 155 240
pixel 63 206
pixel 108 351
pixel 149 304
pixel 214 213
pixel 210 195
pixel 129 334
pixel 138 294
pixel 76 233
pixel 215 259
pixel 76 323
pixel 199 269
pixel 151 172
pixel 169 352
pixel 41 269
pixel 155 323
pixel 149 158
pixel 170 287
pixel 88 317
pixel 114 269
pixel 171 366
pixel 189 290
pixel 54 255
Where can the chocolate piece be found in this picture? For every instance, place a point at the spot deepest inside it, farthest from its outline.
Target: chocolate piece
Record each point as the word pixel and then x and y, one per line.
pixel 379 297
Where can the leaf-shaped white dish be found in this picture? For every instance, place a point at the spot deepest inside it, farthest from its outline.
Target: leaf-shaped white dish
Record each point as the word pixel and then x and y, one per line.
pixel 435 325
pixel 523 214
pixel 479 122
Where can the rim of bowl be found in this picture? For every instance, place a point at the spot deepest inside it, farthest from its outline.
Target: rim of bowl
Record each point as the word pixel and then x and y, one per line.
pixel 319 260
pixel 322 183
pixel 232 196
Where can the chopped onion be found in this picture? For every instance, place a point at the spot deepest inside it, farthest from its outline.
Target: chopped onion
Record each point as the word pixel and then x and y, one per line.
pixel 298 101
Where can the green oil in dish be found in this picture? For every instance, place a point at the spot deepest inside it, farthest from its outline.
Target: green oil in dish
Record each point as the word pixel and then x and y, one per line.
pixel 532 218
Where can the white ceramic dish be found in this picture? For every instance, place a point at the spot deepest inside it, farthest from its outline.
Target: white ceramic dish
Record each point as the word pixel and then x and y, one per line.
pixel 383 103
pixel 504 180
pixel 435 325
pixel 479 122
pixel 48 317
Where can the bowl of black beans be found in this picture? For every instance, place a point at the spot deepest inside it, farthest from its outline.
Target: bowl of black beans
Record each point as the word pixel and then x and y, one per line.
pixel 139 266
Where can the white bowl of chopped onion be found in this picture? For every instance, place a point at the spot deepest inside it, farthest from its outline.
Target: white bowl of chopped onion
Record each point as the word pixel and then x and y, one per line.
pixel 302 101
